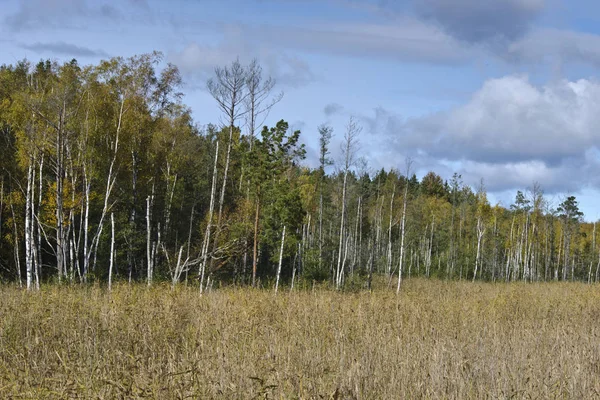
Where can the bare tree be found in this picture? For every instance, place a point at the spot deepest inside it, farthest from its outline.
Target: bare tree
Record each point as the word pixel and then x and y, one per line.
pixel 228 88
pixel 258 102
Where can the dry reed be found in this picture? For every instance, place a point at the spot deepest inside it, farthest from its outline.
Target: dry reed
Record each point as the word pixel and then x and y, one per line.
pixel 435 340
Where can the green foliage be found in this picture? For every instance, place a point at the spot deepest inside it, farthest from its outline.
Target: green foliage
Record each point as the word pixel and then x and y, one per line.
pixel 116 138
pixel 432 185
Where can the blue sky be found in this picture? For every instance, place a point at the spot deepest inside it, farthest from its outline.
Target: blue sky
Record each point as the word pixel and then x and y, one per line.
pixel 503 90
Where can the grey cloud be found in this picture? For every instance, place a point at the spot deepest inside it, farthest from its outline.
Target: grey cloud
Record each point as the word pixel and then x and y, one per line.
pixel 405 40
pixel 198 61
pixel 40 14
pixel 109 12
pixel 477 21
pixel 556 46
pixel 332 109
pixel 473 21
pixel 511 133
pixel 62 48
pixel 408 40
pixel 446 32
pixel 288 70
pixel 140 3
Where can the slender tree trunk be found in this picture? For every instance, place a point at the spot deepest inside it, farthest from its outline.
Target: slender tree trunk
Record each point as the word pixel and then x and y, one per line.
pixel 255 244
pixel 223 187
pixel 189 241
pixel 339 272
pixel 389 246
pixel 378 227
pixel 430 245
pixel 320 227
pixel 371 262
pixel 403 234
pixel 16 245
pixel 480 232
pixel 132 212
pixel 1 201
pixel 149 251
pixel 86 219
pixel 597 269
pixel 209 224
pixel 559 259
pixel 293 278
pixel 112 250
pixel 355 245
pixel 171 193
pixel 60 252
pixel 110 182
pixel 360 233
pixel 28 226
pixel 280 260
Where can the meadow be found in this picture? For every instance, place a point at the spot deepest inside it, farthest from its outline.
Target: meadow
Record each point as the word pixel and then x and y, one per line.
pixel 435 340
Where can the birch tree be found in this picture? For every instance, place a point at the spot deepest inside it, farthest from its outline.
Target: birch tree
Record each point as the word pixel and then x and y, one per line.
pixel 349 147
pixel 483 208
pixel 403 225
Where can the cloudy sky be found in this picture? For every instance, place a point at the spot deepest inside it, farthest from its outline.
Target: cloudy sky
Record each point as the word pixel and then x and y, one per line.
pixel 504 90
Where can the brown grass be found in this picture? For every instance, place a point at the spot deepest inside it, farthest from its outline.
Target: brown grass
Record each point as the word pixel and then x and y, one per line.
pixel 435 340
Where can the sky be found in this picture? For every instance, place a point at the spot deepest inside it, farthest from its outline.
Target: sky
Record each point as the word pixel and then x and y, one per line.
pixel 506 90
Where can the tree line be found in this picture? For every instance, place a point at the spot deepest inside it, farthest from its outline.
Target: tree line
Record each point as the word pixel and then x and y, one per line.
pixel 104 175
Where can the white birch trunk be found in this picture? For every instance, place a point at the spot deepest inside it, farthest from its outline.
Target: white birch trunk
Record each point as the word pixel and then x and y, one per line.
pixel 206 241
pixel 338 271
pixel 28 230
pixel 280 260
pixel 480 232
pixel 402 235
pixel 430 246
pixel 389 247
pixel 86 221
pixel 149 249
pixel 112 250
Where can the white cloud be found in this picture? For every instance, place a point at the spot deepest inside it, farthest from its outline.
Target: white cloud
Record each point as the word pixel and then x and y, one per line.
pixel 511 133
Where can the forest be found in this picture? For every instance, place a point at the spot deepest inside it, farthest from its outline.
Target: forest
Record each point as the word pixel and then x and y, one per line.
pixel 106 177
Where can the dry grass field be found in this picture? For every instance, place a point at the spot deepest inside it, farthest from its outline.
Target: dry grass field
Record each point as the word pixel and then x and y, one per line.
pixel 435 340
